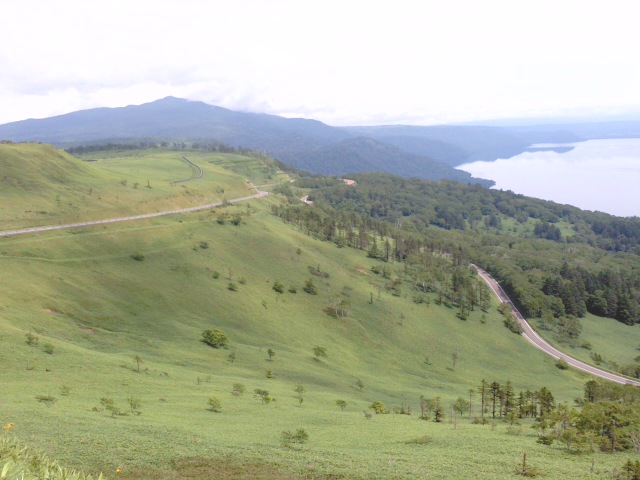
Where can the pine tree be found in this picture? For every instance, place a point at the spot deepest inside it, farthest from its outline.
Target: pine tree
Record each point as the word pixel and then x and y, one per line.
pixel 483 390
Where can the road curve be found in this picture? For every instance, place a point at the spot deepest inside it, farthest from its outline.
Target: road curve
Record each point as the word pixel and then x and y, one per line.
pixel 126 219
pixel 196 171
pixel 537 341
pixel 529 333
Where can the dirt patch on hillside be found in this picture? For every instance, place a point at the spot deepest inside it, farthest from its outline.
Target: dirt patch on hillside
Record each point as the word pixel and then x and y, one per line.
pixel 51 311
pixel 88 331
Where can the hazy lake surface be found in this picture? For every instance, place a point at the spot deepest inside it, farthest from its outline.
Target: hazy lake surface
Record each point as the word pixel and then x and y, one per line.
pixel 599 175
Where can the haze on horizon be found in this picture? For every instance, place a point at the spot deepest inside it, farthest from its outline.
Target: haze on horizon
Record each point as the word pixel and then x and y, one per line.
pixel 344 63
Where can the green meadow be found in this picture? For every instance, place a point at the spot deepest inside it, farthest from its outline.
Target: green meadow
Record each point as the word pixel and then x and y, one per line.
pixel 40 185
pixel 109 318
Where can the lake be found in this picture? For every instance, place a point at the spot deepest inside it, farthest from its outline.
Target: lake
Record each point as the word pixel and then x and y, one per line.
pixel 599 175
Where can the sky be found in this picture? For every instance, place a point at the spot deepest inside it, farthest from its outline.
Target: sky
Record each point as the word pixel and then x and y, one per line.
pixel 346 62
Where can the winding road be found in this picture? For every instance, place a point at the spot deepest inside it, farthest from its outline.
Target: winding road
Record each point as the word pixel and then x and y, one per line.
pixel 537 341
pixel 528 332
pixel 127 219
pixel 196 171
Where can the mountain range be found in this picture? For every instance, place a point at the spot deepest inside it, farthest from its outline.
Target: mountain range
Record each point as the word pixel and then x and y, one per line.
pixel 429 152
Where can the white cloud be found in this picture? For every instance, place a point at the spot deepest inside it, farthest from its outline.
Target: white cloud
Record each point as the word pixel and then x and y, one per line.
pixel 341 62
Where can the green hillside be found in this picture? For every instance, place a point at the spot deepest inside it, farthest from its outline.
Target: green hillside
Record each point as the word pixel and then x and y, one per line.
pixel 108 321
pixel 41 185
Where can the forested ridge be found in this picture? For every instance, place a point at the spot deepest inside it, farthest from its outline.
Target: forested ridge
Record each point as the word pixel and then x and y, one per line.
pixel 556 261
pixel 453 205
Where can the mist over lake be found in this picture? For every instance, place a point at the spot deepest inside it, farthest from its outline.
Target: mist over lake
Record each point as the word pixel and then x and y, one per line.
pixel 601 175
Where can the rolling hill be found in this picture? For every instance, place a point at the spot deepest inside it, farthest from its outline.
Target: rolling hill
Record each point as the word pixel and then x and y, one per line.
pixel 104 367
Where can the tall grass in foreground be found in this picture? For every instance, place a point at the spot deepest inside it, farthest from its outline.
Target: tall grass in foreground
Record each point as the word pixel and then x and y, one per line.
pixel 19 462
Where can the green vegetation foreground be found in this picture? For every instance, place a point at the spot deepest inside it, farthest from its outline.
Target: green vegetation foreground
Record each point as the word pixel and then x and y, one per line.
pixel 105 367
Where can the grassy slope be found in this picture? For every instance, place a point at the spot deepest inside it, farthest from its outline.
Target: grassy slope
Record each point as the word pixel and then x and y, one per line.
pixel 81 291
pixel 40 185
pixel 613 340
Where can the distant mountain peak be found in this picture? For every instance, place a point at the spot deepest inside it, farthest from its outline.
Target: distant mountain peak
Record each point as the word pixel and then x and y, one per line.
pixel 171 102
pixel 303 143
pixel 171 99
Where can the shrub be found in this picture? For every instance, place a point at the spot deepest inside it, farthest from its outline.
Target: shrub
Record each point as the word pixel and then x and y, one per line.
pixel 48 348
pixel 137 256
pixel 341 242
pixel 310 288
pixel 317 272
pixel 214 338
pixel 402 410
pixel 293 289
pixel 342 404
pixel 215 274
pixel 278 287
pixel 238 389
pixel 134 405
pixel 300 390
pixel 526 470
pixel 378 408
pixel 586 345
pixel 545 440
pixel 109 404
pixel 264 395
pixel 32 339
pixel 232 286
pixel 48 400
pixel 421 298
pixel 562 364
pixel 214 404
pixel 319 352
pixel 299 436
pixel 512 324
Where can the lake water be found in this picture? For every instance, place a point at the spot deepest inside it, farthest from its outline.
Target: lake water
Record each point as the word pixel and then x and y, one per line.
pixel 599 175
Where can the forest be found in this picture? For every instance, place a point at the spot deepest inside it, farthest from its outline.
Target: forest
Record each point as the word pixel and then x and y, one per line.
pixel 555 261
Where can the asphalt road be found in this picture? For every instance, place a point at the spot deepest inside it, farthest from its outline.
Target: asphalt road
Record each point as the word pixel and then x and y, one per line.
pixel 529 333
pixel 127 219
pixel 532 337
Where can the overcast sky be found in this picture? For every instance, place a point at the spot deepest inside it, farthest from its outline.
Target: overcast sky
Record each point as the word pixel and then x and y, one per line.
pixel 343 62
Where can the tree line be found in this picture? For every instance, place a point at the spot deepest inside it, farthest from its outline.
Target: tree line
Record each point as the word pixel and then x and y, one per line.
pixel 393 219
pixel 453 205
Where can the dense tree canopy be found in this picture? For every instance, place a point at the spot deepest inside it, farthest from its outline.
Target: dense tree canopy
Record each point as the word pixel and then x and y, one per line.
pixel 553 260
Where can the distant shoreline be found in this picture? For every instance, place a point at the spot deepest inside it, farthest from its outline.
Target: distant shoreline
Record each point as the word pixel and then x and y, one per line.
pixel 597 175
